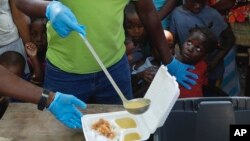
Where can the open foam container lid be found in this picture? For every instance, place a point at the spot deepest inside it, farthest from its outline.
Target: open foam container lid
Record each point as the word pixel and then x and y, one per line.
pixel 163 93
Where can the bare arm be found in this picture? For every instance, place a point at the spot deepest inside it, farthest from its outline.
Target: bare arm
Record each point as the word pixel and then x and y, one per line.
pixel 167 8
pixel 151 22
pixel 37 77
pixel 21 21
pixel 35 8
pixel 227 42
pixel 223 6
pixel 15 87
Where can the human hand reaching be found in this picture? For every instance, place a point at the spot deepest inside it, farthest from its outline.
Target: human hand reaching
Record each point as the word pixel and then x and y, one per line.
pixel 63 20
pixel 148 74
pixel 31 49
pixel 182 73
pixel 65 108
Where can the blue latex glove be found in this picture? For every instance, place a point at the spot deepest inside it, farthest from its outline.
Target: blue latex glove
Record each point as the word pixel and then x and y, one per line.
pixel 182 73
pixel 62 19
pixel 64 108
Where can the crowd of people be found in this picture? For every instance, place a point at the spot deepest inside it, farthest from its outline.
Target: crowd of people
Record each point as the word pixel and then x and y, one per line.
pixel 40 43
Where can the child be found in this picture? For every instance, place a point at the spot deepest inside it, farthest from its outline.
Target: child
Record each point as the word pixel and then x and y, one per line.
pixel 200 42
pixel 143 68
pixel 36 49
pixel 39 37
pixel 37 76
pixel 134 54
pixel 133 25
pixel 196 13
pixel 137 51
pixel 170 39
pixel 15 63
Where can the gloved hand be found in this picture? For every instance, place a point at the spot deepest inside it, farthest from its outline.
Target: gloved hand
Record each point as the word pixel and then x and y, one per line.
pixel 64 108
pixel 182 73
pixel 62 19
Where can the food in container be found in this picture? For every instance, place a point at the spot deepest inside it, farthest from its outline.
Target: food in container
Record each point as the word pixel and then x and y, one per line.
pixel 132 137
pixel 126 123
pixel 163 93
pixel 104 128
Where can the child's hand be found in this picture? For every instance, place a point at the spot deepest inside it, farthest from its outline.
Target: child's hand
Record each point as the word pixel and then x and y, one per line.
pixel 149 74
pixel 31 49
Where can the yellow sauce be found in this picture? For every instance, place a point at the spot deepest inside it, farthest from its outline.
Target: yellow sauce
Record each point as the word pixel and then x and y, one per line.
pixel 132 137
pixel 135 105
pixel 126 123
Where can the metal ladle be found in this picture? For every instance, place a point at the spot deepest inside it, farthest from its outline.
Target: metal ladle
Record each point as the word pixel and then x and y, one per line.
pixel 134 106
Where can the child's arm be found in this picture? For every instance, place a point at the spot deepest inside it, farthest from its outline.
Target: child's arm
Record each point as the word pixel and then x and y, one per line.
pixel 227 41
pixel 148 74
pixel 37 77
pixel 167 8
pixel 224 6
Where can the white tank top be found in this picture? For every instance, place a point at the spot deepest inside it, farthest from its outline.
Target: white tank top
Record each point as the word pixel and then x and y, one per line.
pixel 8 30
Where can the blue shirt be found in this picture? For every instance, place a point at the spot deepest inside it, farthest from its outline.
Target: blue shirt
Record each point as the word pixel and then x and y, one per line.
pixel 158 5
pixel 183 20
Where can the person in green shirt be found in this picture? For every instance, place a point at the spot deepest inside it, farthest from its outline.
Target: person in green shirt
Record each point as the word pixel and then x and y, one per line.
pixel 71 68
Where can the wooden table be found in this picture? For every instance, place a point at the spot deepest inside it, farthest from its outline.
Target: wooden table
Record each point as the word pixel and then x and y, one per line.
pixel 23 122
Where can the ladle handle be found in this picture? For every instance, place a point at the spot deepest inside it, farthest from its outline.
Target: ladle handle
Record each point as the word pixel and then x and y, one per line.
pixel 103 68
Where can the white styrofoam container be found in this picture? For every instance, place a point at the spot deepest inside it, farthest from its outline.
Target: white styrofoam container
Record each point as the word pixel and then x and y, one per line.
pixel 163 93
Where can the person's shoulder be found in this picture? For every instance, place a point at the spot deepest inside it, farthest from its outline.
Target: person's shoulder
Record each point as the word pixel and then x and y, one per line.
pixel 178 9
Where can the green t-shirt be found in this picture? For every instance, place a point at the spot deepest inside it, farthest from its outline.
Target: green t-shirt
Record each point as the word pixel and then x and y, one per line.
pixel 104 22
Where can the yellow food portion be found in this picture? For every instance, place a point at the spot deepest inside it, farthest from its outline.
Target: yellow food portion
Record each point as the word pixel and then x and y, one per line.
pixel 135 105
pixel 126 123
pixel 132 137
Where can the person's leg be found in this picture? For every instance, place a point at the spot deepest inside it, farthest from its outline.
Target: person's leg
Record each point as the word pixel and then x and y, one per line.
pixel 81 86
pixel 105 93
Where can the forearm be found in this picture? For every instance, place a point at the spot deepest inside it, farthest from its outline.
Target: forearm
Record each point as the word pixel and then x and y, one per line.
pixel 219 57
pixel 224 5
pixel 16 87
pixel 227 42
pixel 151 22
pixel 34 8
pixel 38 73
pixel 167 8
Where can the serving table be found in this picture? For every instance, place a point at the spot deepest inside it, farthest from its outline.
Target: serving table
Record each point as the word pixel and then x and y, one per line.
pixel 23 122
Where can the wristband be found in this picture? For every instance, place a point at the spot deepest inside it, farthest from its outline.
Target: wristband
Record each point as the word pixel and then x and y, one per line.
pixel 43 100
